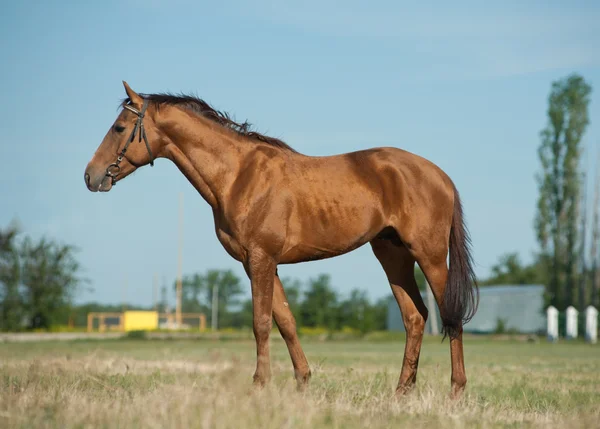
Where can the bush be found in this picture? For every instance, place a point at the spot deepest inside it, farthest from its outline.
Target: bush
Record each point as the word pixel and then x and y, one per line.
pixel 136 335
pixel 500 326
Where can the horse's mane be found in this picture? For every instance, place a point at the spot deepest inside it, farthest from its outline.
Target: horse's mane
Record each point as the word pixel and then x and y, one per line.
pixel 201 107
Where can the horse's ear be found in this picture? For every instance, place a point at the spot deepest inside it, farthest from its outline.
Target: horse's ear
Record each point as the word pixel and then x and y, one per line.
pixel 133 96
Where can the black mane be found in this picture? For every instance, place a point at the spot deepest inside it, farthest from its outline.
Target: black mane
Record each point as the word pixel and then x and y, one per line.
pixel 201 107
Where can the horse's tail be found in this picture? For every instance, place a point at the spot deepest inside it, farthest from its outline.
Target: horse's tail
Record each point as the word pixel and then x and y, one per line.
pixel 461 296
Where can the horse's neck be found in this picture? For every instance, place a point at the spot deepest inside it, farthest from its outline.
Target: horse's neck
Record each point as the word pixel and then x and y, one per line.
pixel 209 159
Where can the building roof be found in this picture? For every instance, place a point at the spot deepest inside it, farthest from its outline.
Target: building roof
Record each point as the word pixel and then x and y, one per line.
pixel 509 289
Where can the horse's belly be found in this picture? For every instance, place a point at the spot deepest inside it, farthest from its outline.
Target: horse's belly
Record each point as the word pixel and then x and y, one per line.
pixel 318 240
pixel 307 252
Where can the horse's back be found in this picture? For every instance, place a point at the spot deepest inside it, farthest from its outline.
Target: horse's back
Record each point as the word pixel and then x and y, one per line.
pixel 400 172
pixel 414 192
pixel 339 202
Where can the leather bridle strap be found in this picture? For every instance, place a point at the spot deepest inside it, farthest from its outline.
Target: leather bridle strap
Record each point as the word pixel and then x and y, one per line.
pixel 114 169
pixel 139 124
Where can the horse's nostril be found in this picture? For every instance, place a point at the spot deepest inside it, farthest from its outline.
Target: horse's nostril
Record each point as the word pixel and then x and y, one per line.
pixel 87 179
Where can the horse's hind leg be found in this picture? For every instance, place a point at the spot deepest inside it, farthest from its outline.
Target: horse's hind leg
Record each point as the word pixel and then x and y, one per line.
pixel 439 241
pixel 437 276
pixel 399 265
pixel 287 327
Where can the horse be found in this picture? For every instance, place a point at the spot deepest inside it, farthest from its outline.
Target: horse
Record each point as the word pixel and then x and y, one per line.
pixel 273 205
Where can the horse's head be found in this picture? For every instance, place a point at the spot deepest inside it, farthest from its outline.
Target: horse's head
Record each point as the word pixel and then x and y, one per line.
pixel 130 143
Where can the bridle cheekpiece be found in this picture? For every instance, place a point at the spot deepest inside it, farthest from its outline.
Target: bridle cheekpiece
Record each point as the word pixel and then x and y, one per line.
pixel 114 169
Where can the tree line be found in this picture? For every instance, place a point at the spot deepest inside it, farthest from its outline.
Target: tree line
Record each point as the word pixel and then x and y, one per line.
pixel 315 303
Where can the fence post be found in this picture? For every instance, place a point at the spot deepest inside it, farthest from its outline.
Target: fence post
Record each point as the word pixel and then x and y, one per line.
pixel 552 320
pixel 572 314
pixel 591 325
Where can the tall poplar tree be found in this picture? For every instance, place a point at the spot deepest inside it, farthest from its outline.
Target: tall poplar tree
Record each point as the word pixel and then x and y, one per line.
pixel 559 183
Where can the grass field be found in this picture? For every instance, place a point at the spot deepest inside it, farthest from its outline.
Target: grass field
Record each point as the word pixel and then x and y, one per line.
pixel 206 384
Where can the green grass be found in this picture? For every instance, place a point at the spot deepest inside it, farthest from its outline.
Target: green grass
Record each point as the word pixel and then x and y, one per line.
pixel 207 384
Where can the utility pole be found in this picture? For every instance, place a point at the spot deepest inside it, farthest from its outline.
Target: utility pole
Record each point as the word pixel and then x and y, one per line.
pixel 178 302
pixel 155 292
pixel 215 306
pixel 164 300
pixel 125 295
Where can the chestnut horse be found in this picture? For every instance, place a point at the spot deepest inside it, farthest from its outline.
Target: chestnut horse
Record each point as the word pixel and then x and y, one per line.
pixel 273 205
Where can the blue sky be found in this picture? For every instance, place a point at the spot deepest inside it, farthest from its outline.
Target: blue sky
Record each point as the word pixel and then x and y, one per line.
pixel 462 84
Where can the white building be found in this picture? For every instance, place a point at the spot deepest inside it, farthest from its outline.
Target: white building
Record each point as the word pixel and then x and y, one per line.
pixel 518 308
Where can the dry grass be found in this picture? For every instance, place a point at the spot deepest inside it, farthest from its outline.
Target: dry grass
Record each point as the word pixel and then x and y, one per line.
pixel 206 384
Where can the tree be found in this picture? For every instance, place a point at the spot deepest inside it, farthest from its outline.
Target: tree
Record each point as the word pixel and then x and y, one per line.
pixel 243 317
pixel 228 288
pixel 356 312
pixel 38 281
pixel 380 312
pixel 420 278
pixel 50 278
pixel 11 309
pixel 319 305
pixel 511 271
pixel 197 293
pixel 193 287
pixel 559 182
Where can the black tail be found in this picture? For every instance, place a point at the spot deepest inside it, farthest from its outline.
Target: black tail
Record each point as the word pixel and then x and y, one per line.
pixel 461 296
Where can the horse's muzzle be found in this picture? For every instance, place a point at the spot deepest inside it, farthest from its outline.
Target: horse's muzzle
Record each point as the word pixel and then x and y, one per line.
pixel 97 182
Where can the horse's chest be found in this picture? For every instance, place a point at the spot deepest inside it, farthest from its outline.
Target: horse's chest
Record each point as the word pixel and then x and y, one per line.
pixel 231 245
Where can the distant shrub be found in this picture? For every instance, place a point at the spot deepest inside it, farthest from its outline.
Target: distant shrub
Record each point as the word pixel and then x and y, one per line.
pixel 136 335
pixel 66 328
pixel 306 330
pixel 500 326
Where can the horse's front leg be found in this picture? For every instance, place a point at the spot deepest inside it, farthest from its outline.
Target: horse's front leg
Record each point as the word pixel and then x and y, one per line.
pixel 261 269
pixel 287 327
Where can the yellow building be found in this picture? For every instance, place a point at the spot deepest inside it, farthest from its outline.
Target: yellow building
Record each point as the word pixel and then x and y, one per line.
pixel 140 320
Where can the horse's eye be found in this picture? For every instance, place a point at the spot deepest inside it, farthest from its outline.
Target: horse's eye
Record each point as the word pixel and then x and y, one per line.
pixel 119 128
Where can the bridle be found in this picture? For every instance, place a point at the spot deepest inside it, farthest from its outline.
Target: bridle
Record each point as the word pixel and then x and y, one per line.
pixel 114 169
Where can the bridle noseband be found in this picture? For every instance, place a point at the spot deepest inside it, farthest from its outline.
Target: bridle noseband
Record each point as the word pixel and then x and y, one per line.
pixel 113 169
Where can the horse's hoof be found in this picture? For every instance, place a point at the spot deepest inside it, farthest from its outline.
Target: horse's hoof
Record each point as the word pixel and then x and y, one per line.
pixel 404 390
pixel 457 392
